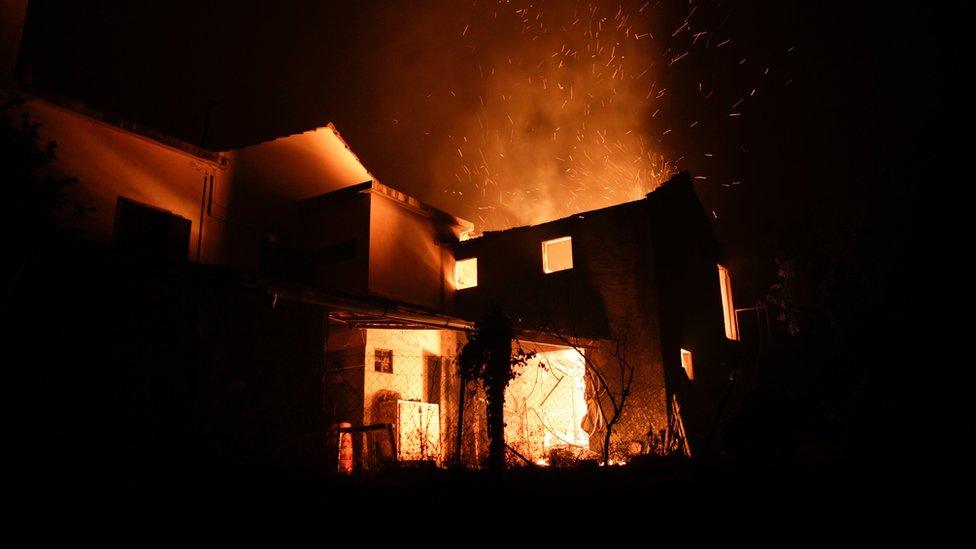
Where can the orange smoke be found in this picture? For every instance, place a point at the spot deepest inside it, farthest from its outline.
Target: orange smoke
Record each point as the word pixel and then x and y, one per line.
pixel 566 105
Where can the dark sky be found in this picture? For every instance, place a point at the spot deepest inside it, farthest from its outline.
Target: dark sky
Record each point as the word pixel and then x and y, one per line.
pixel 850 108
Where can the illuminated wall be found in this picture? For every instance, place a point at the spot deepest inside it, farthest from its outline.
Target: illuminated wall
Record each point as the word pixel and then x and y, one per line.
pixel 110 162
pixel 371 372
pixel 408 380
pixel 406 261
pixel 238 196
pixel 272 174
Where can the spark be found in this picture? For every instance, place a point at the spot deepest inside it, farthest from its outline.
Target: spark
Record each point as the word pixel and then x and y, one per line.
pixel 678 58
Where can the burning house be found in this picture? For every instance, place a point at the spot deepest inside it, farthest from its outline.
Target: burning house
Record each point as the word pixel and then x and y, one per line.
pixel 327 308
pixel 638 293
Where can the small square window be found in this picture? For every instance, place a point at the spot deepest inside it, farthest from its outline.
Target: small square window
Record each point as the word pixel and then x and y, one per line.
pixel 557 254
pixel 466 273
pixel 383 360
pixel 687 364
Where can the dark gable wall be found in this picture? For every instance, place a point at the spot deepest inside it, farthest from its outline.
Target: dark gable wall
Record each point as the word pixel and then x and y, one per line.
pixel 619 264
pixel 510 275
pixel 687 255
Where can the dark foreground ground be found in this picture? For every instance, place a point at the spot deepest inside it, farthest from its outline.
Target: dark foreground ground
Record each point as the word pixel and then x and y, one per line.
pixel 650 504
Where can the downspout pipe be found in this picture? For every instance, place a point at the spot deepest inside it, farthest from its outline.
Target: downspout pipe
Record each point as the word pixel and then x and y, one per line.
pixel 203 211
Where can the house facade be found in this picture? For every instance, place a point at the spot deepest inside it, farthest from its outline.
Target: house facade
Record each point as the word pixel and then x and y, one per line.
pixel 623 306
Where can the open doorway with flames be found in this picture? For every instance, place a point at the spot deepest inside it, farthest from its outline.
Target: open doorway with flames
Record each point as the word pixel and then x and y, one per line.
pixel 546 407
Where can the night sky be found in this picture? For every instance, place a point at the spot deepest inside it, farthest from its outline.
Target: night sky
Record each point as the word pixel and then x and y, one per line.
pixel 848 115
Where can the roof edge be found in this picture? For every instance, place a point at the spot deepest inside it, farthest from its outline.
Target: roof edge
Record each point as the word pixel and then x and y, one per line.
pixel 119 122
pixel 676 180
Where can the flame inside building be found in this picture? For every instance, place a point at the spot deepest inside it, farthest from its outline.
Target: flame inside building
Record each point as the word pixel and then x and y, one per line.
pixel 545 406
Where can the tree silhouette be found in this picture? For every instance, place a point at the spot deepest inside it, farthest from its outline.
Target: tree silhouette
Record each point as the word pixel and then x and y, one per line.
pixel 36 206
pixel 488 356
pixel 610 392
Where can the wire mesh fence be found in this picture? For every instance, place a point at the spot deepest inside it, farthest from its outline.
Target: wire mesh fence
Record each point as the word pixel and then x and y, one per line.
pixel 390 407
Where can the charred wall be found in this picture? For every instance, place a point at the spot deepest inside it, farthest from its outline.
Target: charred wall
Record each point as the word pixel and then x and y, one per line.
pixel 644 285
pixel 607 298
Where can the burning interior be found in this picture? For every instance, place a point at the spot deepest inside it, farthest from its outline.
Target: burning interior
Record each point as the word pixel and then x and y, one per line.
pixel 397 396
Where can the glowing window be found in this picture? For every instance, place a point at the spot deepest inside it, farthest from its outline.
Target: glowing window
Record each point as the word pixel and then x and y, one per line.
pixel 687 364
pixel 466 273
pixel 728 308
pixel 557 254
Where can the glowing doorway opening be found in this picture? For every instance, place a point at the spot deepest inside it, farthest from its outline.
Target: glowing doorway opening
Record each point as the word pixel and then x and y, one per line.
pixel 546 404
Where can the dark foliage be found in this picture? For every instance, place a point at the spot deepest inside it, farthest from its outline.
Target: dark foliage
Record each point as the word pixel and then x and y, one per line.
pixel 36 207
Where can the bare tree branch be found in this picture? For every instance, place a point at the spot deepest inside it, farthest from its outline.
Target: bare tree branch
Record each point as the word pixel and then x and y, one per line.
pixel 616 397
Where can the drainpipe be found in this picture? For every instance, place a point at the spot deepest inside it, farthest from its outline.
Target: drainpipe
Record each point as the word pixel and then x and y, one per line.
pixel 203 205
